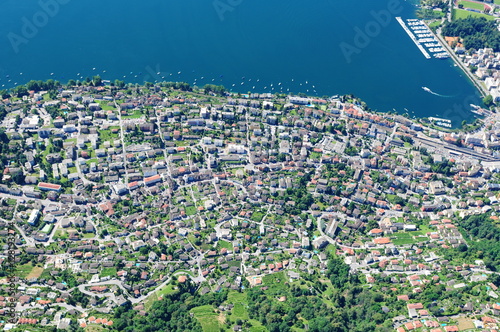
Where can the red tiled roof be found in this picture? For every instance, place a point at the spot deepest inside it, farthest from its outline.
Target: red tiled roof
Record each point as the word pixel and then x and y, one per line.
pixel 50 186
pixel 382 240
pixel 152 178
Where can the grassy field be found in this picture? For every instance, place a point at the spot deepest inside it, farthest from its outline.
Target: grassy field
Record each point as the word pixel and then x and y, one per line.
pixel 402 238
pixel 24 270
pixel 224 244
pixel 472 5
pixel 36 272
pixel 108 272
pixel 181 143
pixel 257 216
pixel 465 324
pixel 240 305
pixel 462 13
pixel 315 155
pixel 59 233
pixel 403 241
pixel 105 106
pixel 135 115
pixel 275 281
pixel 168 289
pixel 11 201
pixel 46 274
pixel 107 135
pixel 409 238
pixel 190 210
pixel 209 320
pixel 330 248
pixel 423 231
pixel 240 311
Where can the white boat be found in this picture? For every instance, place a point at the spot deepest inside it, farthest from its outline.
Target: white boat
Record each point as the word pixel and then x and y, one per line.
pixel 441 56
pixel 426 89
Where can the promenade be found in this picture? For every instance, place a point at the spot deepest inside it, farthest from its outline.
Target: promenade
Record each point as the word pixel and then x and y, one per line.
pixel 465 69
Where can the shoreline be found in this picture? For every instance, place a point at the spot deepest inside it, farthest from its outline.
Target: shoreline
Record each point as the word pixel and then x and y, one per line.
pixel 459 63
pixel 198 89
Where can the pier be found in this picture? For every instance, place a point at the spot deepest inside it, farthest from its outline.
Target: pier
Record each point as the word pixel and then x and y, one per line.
pixel 438 119
pixel 440 122
pixel 420 47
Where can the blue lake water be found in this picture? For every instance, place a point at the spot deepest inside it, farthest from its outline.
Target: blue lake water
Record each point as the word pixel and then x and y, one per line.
pixel 246 45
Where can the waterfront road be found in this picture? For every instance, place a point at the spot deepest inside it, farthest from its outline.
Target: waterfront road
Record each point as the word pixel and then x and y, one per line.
pixel 482 89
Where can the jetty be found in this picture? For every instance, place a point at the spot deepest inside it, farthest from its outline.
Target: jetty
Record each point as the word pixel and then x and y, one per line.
pixel 440 122
pixel 438 119
pixel 412 36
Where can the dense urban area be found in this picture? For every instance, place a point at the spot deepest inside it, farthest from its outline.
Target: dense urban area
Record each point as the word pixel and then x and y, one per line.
pixel 168 207
pixel 134 205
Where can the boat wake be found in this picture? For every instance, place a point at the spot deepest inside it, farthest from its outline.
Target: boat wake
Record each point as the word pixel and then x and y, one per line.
pixel 434 93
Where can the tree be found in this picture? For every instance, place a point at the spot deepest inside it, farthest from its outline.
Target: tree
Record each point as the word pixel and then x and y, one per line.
pixel 20 91
pixel 488 101
pixel 33 85
pixel 475 32
pixel 495 279
pixel 96 80
pixel 4 94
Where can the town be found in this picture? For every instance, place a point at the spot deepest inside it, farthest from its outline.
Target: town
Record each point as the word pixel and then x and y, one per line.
pixel 121 194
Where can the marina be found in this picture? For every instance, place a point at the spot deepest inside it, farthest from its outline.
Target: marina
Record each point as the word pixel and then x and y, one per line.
pixel 440 122
pixel 422 36
pixel 420 47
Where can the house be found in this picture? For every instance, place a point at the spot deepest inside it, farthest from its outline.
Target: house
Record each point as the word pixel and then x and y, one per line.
pixel 320 242
pixel 133 185
pixel 382 240
pixel 436 188
pixel 149 181
pixel 33 218
pixel 412 309
pixel 299 100
pixel 49 186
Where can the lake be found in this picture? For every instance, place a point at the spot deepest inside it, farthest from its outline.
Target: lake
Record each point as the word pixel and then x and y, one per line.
pixel 320 48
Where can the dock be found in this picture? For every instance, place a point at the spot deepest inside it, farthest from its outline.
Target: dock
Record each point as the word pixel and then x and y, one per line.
pixel 440 122
pixel 412 36
pixel 438 119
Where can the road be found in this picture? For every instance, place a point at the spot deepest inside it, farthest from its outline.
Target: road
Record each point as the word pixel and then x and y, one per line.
pixel 77 163
pixel 482 90
pixel 28 240
pixel 122 139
